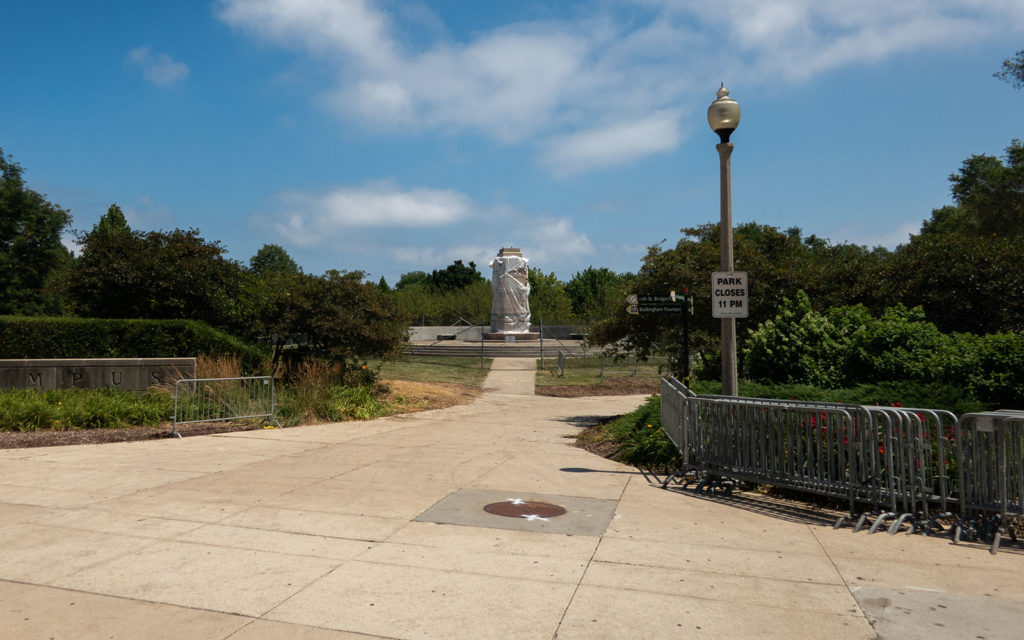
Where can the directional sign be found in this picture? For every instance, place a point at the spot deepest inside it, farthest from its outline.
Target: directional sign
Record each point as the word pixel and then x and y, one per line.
pixel 657 299
pixel 658 308
pixel 729 297
pixel 671 298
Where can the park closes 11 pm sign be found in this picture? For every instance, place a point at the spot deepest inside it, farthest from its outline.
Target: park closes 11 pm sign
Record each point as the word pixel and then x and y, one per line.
pixel 729 294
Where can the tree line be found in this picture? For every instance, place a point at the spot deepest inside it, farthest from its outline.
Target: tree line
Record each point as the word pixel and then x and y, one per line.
pixel 963 272
pixel 461 292
pixel 121 272
pixel 963 269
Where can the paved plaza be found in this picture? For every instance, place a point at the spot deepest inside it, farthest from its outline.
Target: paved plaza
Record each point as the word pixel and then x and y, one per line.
pixel 401 528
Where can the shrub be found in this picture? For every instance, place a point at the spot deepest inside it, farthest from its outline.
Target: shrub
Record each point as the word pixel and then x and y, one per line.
pixel 356 403
pixel 643 441
pixel 30 409
pixel 32 337
pixel 847 347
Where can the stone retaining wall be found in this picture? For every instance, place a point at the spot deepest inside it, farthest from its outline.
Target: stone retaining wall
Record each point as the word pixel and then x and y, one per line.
pixel 134 374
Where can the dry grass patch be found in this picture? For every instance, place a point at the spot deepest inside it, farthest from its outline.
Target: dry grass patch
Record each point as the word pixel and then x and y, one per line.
pixel 408 396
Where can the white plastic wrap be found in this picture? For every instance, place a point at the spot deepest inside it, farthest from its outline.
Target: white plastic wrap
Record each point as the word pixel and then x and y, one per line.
pixel 510 290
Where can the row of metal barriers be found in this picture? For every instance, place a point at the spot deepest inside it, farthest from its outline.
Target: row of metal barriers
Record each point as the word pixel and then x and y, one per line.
pixel 896 467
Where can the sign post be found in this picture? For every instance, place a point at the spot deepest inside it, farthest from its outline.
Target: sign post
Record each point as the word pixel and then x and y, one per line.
pixel 672 303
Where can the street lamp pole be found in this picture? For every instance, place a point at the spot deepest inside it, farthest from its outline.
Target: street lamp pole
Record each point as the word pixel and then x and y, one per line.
pixel 724 117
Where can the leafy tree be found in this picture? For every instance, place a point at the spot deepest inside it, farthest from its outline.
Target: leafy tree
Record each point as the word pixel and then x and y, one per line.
pixel 112 223
pixel 1012 71
pixel 337 316
pixel 780 263
pixel 964 267
pixel 595 293
pixel 444 296
pixel 549 303
pixel 30 244
pixel 412 278
pixel 799 345
pixel 272 258
pixel 382 284
pixel 427 305
pixel 989 196
pixel 177 274
pixel 455 276
pixel 963 282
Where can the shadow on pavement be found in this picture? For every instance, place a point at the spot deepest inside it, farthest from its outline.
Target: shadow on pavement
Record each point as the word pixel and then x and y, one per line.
pixel 584 422
pixel 765 505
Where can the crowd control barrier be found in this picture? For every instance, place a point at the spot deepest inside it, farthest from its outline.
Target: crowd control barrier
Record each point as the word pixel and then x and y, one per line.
pixel 893 466
pixel 221 399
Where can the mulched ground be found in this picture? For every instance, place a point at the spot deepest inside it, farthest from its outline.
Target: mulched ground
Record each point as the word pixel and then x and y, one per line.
pixel 51 438
pixel 620 386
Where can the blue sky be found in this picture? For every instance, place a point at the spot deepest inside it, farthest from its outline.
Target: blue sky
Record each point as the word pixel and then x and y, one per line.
pixel 389 136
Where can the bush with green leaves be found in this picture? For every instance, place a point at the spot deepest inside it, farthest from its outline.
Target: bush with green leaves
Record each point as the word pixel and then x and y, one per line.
pixel 38 337
pixel 32 410
pixel 642 441
pixel 848 346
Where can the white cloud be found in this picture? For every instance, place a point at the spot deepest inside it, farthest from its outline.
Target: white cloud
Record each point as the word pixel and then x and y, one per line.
pixel 430 258
pixel 796 39
pixel 614 144
pixel 595 89
pixel 554 240
pixel 71 243
pixel 311 219
pixel 147 214
pixel 547 242
pixel 158 68
pixel 888 236
pixel 326 27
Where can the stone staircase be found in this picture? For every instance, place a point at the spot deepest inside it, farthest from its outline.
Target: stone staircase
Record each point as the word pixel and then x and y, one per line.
pixel 452 348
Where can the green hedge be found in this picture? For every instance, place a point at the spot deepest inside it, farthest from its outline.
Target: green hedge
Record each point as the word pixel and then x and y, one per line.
pixel 848 346
pixel 37 337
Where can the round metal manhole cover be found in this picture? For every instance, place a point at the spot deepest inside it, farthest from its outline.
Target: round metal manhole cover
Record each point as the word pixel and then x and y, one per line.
pixel 525 509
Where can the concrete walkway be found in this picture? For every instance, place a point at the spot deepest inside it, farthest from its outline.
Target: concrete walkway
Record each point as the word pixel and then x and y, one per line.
pixel 377 529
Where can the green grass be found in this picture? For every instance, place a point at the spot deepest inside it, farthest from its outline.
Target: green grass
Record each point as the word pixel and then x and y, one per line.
pixel 459 370
pixel 31 410
pixel 591 375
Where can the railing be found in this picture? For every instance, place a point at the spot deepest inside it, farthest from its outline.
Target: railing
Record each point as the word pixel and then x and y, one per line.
pixel 902 466
pixel 221 399
pixel 606 365
pixel 990 451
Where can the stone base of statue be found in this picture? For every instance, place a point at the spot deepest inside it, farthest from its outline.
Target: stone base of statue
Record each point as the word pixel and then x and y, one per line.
pixel 500 336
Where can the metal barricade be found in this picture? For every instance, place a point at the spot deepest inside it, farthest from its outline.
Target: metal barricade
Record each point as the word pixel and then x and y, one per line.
pixel 905 466
pixel 990 454
pixel 673 415
pixel 912 461
pixel 221 399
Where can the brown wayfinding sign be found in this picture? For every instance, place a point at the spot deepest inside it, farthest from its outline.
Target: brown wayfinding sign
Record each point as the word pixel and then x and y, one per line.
pixel 729 294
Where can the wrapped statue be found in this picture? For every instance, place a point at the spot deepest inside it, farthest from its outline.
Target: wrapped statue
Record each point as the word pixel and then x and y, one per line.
pixel 510 290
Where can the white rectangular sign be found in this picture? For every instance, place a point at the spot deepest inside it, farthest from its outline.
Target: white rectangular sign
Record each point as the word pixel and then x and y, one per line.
pixel 729 297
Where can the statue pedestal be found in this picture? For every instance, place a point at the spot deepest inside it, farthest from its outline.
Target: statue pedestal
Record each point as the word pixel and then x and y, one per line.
pixel 512 337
